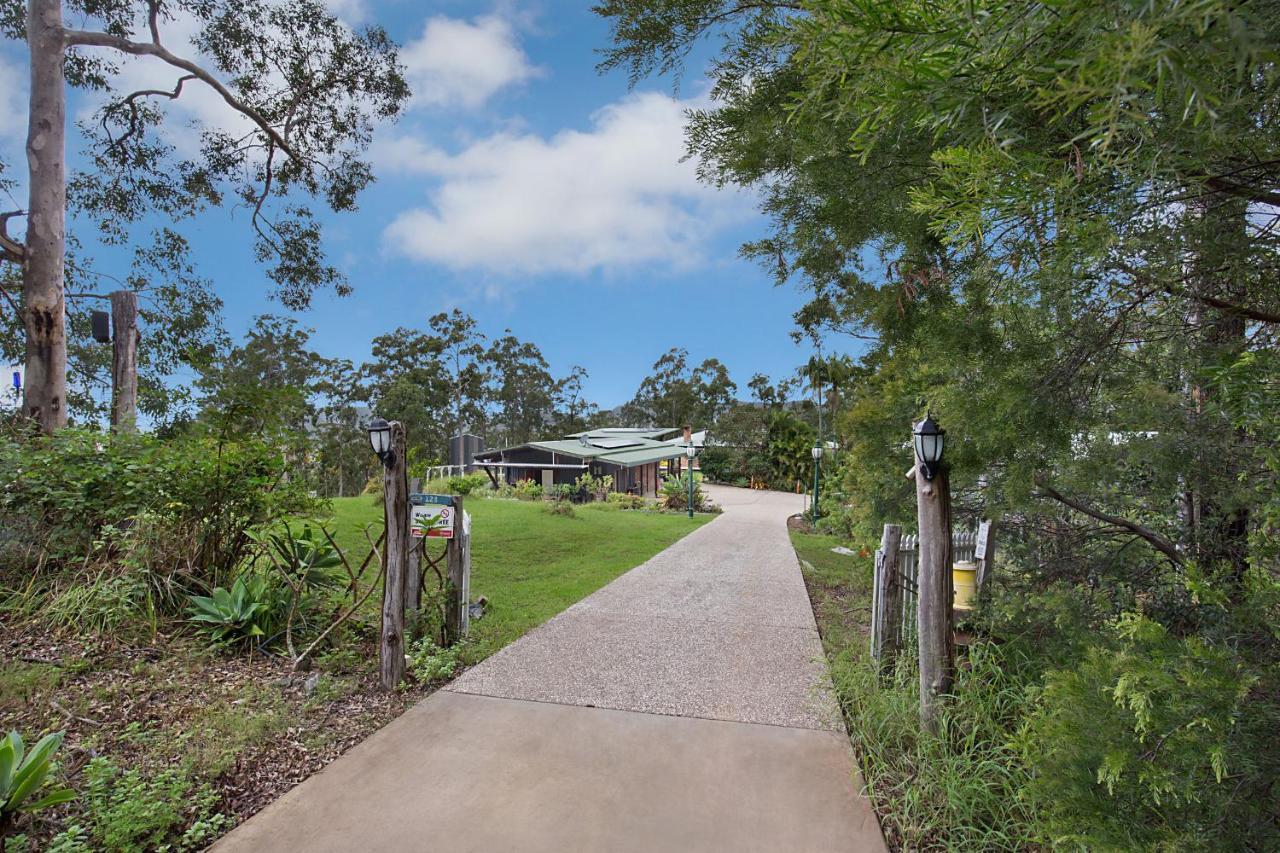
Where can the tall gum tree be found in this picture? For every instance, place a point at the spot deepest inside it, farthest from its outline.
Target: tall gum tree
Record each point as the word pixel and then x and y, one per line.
pixel 305 89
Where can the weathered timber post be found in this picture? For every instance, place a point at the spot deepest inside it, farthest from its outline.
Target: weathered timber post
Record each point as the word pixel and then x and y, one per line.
pixel 453 617
pixel 887 638
pixel 124 361
pixel 413 566
pixel 984 552
pixel 395 491
pixel 933 614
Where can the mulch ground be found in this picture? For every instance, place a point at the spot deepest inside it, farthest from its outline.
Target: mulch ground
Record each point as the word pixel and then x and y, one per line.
pixel 140 705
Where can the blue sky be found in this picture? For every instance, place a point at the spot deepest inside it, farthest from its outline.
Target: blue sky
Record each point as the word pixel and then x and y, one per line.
pixel 528 190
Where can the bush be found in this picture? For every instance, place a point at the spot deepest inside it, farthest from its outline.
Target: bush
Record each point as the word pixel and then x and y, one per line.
pixel 180 505
pixel 1150 743
pixel 717 464
pixel 466 484
pixel 526 490
pixel 563 508
pixel 626 501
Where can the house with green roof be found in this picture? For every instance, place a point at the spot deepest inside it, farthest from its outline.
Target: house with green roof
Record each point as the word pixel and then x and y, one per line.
pixel 636 458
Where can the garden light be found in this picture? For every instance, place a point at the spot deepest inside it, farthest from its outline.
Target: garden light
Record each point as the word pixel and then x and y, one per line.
pixel 928 440
pixel 380 440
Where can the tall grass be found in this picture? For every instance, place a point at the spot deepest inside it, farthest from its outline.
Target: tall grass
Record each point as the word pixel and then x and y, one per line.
pixel 960 789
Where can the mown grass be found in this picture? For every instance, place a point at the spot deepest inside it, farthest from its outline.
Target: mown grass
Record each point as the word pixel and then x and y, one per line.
pixel 529 563
pixel 959 790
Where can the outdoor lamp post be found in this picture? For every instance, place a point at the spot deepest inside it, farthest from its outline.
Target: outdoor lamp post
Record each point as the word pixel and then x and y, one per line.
pixel 690 451
pixel 817 467
pixel 380 440
pixel 928 438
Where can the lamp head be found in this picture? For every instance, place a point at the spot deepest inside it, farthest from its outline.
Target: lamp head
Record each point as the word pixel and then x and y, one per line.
pixel 929 439
pixel 380 441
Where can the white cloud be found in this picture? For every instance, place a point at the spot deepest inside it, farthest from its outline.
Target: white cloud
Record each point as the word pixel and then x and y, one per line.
pixel 614 196
pixel 464 63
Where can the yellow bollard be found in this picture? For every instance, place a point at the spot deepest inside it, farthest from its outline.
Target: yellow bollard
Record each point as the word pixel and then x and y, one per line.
pixel 964 577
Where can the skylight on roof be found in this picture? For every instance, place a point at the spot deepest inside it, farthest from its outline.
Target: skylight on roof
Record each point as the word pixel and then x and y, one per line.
pixel 615 443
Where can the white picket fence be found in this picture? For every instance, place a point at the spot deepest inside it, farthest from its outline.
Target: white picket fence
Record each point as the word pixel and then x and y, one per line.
pixel 962 548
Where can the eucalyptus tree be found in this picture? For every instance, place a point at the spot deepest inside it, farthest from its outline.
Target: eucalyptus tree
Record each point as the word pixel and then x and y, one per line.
pixel 301 92
pixel 521 390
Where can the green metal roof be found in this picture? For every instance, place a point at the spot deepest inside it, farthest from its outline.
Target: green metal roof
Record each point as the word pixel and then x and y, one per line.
pixel 649 450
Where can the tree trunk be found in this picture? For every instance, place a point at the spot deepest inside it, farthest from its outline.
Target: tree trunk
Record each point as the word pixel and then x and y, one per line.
pixel 395 489
pixel 124 361
pixel 42 272
pixel 933 613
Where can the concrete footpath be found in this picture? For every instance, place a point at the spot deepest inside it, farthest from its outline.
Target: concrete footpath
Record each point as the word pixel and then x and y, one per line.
pixel 683 707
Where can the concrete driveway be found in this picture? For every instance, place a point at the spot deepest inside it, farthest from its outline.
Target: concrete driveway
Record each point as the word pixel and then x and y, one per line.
pixel 683 707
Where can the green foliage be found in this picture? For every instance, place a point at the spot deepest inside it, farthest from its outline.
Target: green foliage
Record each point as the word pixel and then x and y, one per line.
pixel 466 484
pixel 594 485
pixel 561 508
pixel 1148 743
pixel 240 615
pixel 525 490
pixel 625 501
pixel 182 503
pixel 430 662
pixel 132 812
pixel 717 464
pixel 674 494
pixel 23 775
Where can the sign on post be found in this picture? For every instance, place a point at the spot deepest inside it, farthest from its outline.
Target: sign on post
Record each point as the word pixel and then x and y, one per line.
pixel 432 516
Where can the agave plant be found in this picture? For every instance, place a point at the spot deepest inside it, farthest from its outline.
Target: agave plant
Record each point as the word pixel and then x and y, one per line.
pixel 21 777
pixel 234 614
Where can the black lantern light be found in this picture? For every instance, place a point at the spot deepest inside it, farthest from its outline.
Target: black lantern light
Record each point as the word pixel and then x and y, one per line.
pixel 928 439
pixel 380 440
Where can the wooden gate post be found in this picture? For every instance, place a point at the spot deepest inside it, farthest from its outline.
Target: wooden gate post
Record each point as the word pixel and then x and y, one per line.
pixel 395 491
pixel 124 361
pixel 413 566
pixel 887 636
pixel 933 613
pixel 453 617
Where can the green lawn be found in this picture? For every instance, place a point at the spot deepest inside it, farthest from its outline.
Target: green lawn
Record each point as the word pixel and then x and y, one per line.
pixel 530 564
pixel 840 590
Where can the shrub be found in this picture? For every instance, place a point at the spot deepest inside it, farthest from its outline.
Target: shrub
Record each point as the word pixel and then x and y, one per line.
pixel 176 505
pixel 23 775
pixel 562 508
pixel 466 484
pixel 526 490
pixel 626 501
pixel 717 464
pixel 1150 742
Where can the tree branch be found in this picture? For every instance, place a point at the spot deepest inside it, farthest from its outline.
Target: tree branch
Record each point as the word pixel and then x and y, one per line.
pixel 1164 546
pixel 86 38
pixel 1261 315
pixel 11 249
pixel 1254 194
